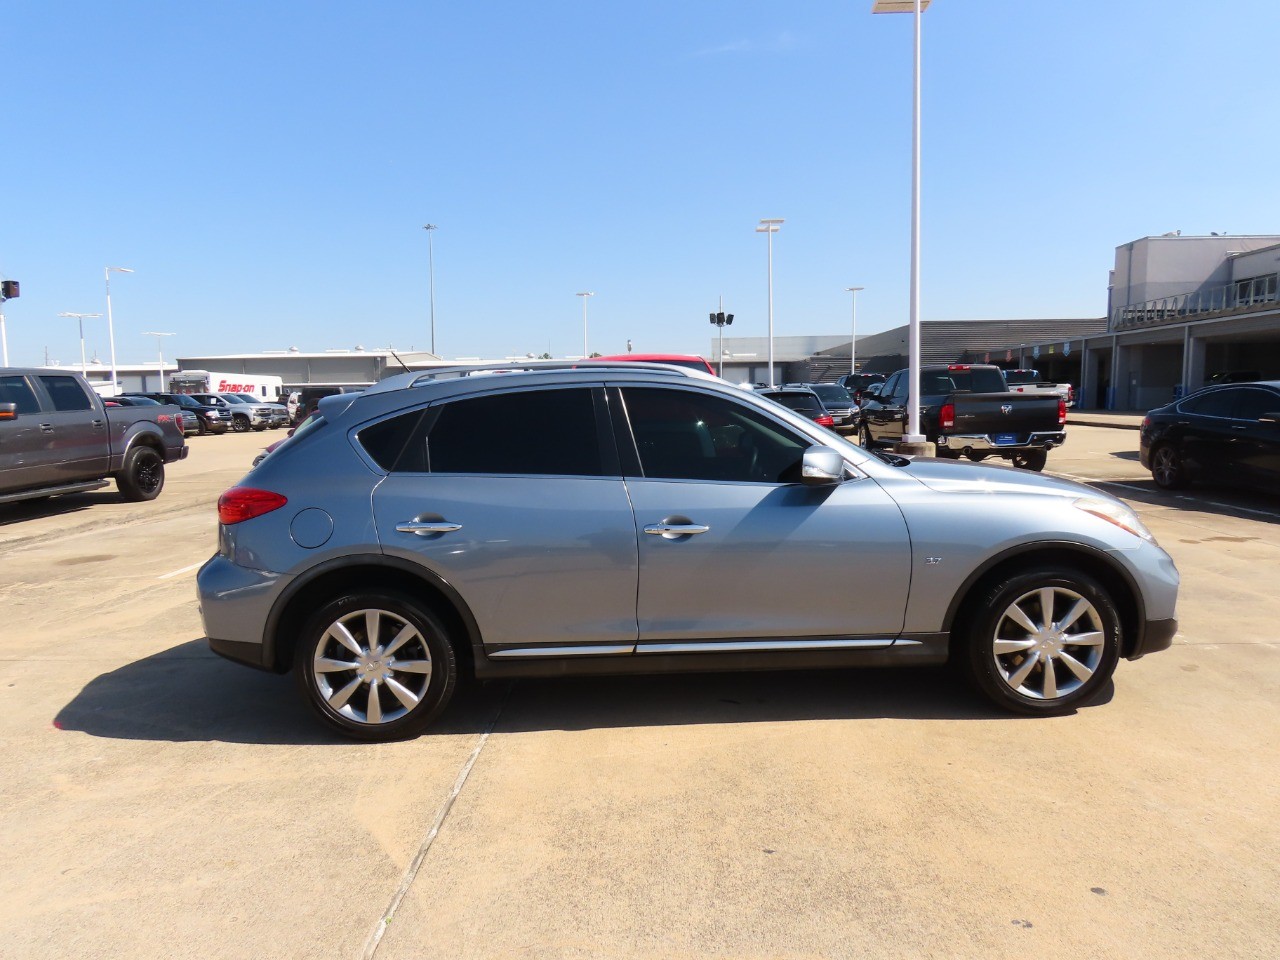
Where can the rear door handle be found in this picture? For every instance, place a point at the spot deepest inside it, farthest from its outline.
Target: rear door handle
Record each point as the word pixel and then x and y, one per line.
pixel 46 428
pixel 425 528
pixel 672 530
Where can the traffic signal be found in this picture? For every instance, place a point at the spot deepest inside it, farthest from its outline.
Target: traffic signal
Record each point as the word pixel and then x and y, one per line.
pixel 8 289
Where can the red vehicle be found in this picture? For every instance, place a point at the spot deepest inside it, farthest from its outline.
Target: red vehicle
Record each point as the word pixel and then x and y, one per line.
pixel 675 359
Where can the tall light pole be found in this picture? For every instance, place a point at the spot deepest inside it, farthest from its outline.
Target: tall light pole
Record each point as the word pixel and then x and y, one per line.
pixel 913 434
pixel 111 329
pixel 586 293
pixel 431 280
pixel 160 350
pixel 853 339
pixel 770 227
pixel 82 317
pixel 722 320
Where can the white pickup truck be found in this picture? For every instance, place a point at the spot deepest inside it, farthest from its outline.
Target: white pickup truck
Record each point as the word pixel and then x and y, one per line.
pixel 1028 381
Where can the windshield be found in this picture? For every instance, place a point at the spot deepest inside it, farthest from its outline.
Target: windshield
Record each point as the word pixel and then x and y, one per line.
pixel 139 401
pixel 1021 376
pixel 978 380
pixel 832 394
pixel 796 400
pixel 235 398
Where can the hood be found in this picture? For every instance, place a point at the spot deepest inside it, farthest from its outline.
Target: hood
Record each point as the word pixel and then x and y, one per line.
pixel 951 476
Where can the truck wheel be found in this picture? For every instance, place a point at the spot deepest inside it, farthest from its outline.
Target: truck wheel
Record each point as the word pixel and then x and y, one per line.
pixel 143 475
pixel 864 438
pixel 376 665
pixel 1031 460
pixel 240 423
pixel 1042 642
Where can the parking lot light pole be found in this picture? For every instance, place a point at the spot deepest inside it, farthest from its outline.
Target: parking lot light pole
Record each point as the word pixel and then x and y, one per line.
pixel 111 329
pixel 853 339
pixel 770 227
pixel 584 294
pixel 913 434
pixel 82 317
pixel 160 349
pixel 431 281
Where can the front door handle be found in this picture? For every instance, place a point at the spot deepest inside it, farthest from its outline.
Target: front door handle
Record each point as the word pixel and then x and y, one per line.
pixel 672 530
pixel 46 428
pixel 425 528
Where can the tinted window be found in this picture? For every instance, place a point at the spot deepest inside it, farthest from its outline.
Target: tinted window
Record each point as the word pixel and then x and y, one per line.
pixel 16 390
pixel 832 394
pixel 140 401
pixel 684 435
pixel 1217 403
pixel 545 432
pixel 67 393
pixel 1255 404
pixel 800 400
pixel 397 445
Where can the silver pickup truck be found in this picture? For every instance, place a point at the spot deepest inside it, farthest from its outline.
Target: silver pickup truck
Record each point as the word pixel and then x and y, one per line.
pixel 57 436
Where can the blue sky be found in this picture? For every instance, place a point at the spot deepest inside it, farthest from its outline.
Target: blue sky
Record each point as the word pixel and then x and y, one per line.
pixel 266 168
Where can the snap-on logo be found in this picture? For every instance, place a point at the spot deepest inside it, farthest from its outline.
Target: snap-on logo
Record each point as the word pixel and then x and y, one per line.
pixel 225 386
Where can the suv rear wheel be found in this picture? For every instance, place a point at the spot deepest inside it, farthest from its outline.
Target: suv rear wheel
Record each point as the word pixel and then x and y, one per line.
pixel 1042 642
pixel 376 666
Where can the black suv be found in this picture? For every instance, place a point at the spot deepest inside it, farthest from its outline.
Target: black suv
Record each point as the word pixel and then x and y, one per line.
pixel 212 419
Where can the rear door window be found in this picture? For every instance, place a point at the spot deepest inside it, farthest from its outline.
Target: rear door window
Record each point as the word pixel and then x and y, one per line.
pixel 1218 403
pixel 1256 404
pixel 66 393
pixel 533 432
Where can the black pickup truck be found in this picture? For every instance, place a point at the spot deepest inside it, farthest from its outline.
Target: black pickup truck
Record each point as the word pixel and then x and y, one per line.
pixel 57 436
pixel 966 409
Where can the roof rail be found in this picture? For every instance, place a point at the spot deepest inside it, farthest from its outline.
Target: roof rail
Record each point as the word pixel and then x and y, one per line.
pixel 455 371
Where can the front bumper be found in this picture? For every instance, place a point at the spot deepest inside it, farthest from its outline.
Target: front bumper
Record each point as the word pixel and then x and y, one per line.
pixel 986 443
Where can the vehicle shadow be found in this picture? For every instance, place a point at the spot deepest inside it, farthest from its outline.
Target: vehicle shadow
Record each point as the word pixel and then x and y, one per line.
pixel 1132 455
pixel 1223 501
pixel 188 694
pixel 55 506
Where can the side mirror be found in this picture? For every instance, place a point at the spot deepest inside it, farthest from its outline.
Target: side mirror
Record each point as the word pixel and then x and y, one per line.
pixel 8 411
pixel 821 466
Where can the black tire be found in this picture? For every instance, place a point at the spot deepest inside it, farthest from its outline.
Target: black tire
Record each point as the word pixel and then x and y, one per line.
pixel 142 477
pixel 864 437
pixel 993 657
pixel 1031 460
pixel 975 456
pixel 429 644
pixel 259 428
pixel 240 423
pixel 1167 468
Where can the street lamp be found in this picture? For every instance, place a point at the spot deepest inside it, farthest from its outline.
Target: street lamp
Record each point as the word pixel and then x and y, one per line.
pixel 913 434
pixel 160 348
pixel 111 329
pixel 722 320
pixel 586 293
pixel 82 317
pixel 431 280
pixel 853 340
pixel 770 227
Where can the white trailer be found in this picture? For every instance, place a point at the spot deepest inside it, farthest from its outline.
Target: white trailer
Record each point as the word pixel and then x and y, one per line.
pixel 260 386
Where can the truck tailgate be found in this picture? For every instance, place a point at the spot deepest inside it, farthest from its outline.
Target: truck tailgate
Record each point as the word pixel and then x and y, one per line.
pixel 1013 415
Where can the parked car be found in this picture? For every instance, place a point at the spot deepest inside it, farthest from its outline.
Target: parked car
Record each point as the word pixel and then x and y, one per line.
pixel 310 397
pixel 678 523
pixel 186 419
pixel 246 412
pixel 839 403
pixel 685 360
pixel 1234 376
pixel 856 383
pixel 1029 381
pixel 211 417
pixel 1225 434
pixel 966 410
pixel 803 401
pixel 57 436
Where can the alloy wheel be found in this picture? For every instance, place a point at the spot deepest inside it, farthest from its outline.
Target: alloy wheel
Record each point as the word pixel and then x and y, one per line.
pixel 372 666
pixel 1048 643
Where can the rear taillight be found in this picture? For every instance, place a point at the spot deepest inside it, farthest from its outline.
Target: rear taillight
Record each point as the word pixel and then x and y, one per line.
pixel 947 416
pixel 244 503
pixel 824 420
pixel 1062 412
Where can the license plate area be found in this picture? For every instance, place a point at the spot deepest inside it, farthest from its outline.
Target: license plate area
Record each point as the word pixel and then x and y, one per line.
pixel 1006 439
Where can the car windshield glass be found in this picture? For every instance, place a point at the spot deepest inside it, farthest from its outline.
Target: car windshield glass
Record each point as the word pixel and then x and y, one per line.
pixel 234 398
pixel 140 401
pixel 832 394
pixel 936 382
pixel 1021 376
pixel 795 400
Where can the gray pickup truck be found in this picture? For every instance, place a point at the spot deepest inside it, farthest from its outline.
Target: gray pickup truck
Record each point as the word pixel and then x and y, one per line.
pixel 57 436
pixel 966 409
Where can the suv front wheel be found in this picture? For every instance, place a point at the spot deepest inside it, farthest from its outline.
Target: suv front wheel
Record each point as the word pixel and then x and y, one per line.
pixel 376 666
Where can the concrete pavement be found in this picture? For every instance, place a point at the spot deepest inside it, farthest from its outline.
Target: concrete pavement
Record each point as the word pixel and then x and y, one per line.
pixel 160 802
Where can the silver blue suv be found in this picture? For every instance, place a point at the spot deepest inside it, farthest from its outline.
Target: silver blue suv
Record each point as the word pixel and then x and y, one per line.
pixel 627 518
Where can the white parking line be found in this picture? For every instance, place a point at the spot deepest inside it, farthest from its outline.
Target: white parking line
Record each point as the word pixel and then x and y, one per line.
pixel 178 573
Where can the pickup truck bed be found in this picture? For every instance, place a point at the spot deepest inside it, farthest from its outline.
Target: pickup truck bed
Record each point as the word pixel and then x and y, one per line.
pixel 57 437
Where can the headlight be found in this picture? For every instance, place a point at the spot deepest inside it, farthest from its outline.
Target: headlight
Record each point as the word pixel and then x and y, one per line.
pixel 1116 513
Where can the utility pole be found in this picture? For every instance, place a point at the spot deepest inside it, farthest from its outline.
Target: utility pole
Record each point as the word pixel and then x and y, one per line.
pixel 721 320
